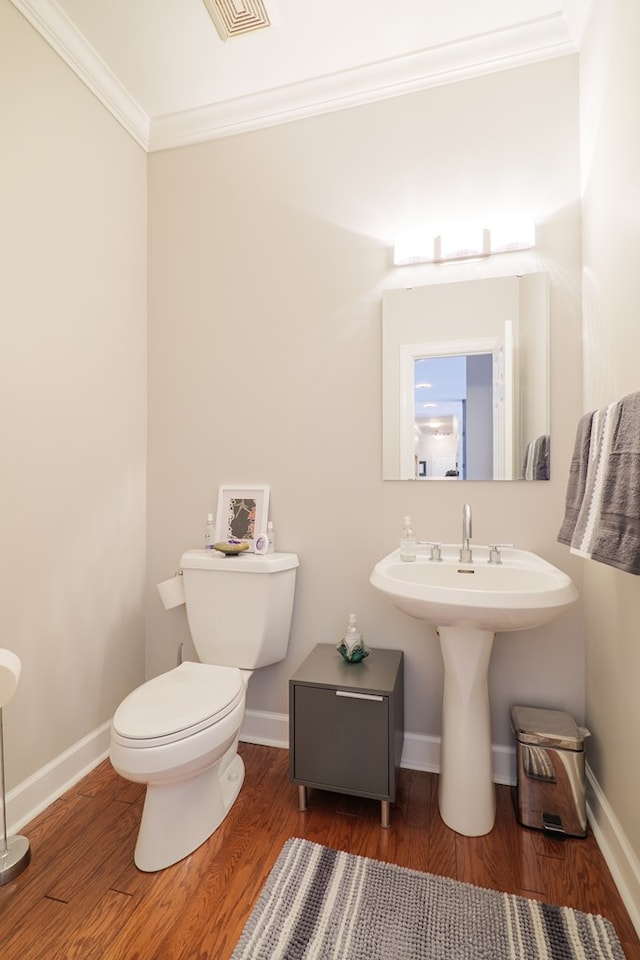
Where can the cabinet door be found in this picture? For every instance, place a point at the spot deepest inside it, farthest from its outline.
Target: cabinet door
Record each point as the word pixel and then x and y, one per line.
pixel 341 741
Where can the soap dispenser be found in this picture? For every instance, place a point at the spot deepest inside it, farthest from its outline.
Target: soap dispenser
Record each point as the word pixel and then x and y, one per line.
pixel 408 544
pixel 352 647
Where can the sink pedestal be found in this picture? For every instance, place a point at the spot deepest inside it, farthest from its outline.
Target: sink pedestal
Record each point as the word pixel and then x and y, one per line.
pixel 466 797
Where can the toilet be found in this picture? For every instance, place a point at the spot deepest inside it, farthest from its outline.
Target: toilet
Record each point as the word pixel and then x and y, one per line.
pixel 178 733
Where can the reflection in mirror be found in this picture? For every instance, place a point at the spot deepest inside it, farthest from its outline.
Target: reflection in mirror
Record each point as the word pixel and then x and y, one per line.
pixel 465 380
pixel 450 394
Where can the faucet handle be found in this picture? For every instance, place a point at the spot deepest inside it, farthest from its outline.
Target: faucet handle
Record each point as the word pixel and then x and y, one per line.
pixel 494 551
pixel 436 552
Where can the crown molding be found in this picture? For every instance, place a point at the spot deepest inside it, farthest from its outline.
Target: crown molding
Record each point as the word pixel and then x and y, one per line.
pixel 577 13
pixel 59 32
pixel 542 39
pixel 477 56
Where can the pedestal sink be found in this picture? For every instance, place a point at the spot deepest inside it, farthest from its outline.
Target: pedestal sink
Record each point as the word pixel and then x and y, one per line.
pixel 469 603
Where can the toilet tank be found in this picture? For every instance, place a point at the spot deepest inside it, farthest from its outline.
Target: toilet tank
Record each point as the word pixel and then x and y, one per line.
pixel 239 608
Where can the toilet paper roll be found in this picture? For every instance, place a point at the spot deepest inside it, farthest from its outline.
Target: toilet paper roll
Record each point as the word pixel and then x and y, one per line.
pixel 10 667
pixel 171 591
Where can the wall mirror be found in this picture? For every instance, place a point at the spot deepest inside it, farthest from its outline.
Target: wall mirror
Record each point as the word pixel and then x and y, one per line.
pixel 465 380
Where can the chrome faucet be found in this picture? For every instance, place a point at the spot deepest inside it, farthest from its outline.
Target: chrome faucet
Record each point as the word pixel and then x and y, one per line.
pixel 466 555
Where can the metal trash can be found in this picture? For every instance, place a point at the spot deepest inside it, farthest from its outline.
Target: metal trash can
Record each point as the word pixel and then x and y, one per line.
pixel 550 764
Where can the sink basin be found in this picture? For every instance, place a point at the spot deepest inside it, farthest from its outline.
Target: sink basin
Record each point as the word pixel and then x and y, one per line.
pixel 521 592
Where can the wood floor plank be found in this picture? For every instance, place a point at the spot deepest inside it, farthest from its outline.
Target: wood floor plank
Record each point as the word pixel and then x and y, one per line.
pixel 92 937
pixel 100 861
pixel 35 933
pixel 55 850
pixel 83 853
pixel 439 853
pixel 487 860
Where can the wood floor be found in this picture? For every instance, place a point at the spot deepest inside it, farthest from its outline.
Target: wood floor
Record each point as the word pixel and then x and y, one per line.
pixel 81 898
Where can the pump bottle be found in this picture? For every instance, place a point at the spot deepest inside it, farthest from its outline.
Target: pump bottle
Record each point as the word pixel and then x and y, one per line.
pixel 209 533
pixel 408 545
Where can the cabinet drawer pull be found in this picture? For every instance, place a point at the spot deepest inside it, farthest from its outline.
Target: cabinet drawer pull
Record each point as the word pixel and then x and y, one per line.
pixel 359 696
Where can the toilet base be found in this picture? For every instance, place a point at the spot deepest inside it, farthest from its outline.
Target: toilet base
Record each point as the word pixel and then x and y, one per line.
pixel 178 817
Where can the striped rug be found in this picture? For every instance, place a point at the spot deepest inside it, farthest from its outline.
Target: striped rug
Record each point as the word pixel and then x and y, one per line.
pixel 328 905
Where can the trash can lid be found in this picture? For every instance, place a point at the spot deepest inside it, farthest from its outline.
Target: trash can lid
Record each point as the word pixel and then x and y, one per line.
pixel 551 728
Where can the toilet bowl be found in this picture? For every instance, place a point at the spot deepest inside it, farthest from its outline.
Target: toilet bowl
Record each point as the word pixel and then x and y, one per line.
pixel 178 732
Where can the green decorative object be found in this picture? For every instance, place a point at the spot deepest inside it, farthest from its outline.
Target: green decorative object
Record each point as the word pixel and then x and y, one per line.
pixel 352 647
pixel 355 654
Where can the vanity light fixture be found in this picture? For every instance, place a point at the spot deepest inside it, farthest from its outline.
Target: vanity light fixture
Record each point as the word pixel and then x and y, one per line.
pixel 465 242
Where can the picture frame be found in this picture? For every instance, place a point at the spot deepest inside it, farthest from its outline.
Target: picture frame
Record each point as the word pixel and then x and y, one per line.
pixel 242 512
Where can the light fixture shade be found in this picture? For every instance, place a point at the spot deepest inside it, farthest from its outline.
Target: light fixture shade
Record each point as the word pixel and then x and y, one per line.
pixel 463 240
pixel 415 248
pixel 511 235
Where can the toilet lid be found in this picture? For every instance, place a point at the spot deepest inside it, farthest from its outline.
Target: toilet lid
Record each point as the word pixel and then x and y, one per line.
pixel 188 698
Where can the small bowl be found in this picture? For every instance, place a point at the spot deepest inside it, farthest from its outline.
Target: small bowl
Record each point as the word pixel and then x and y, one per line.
pixel 231 548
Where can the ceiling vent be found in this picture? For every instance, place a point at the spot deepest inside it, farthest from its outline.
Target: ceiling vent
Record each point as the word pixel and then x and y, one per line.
pixel 235 17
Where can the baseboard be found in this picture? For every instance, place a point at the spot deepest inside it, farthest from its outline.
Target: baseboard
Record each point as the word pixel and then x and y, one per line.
pixel 616 849
pixel 34 794
pixel 267 729
pixel 420 752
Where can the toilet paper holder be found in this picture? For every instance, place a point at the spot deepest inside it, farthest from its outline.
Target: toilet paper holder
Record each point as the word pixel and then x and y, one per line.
pixel 172 591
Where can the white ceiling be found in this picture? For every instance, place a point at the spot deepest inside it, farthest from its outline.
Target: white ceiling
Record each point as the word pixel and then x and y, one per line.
pixel 162 69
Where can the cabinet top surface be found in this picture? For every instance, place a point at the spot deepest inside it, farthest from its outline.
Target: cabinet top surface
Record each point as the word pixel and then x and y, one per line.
pixel 325 667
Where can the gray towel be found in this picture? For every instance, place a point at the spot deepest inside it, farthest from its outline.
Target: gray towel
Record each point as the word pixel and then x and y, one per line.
pixel 616 537
pixel 577 479
pixel 536 464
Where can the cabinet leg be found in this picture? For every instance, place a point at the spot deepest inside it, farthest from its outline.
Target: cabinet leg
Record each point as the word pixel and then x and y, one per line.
pixel 302 797
pixel 385 813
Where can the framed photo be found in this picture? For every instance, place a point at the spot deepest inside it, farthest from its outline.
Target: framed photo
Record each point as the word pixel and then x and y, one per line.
pixel 242 513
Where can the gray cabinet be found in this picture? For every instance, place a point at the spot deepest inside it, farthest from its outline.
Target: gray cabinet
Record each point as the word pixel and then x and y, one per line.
pixel 346 724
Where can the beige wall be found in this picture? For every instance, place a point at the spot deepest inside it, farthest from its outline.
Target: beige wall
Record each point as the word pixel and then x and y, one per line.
pixel 268 255
pixel 610 80
pixel 72 401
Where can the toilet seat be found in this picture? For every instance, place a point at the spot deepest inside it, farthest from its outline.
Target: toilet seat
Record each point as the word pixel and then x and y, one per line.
pixel 177 704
